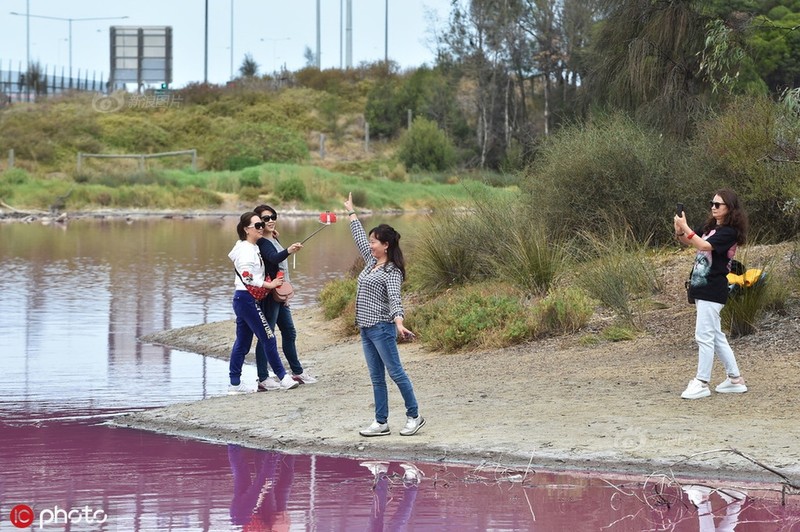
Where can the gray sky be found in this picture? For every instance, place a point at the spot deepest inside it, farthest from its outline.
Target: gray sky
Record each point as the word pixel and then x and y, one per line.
pixel 274 32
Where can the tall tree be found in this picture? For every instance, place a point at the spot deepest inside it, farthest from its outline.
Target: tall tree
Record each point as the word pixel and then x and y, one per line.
pixel 647 59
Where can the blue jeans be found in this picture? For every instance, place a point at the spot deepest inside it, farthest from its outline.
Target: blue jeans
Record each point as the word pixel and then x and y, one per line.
pixel 380 350
pixel 248 323
pixel 280 315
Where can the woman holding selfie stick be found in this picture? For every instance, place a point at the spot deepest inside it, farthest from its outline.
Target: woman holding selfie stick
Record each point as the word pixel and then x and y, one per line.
pixel 250 320
pixel 278 313
pixel 716 242
pixel 379 317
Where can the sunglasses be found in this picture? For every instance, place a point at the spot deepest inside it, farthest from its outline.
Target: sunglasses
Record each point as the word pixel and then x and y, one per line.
pixel 716 204
pixel 269 217
pixel 258 225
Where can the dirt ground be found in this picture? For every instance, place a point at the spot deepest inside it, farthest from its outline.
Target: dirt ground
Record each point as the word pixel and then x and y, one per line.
pixel 549 404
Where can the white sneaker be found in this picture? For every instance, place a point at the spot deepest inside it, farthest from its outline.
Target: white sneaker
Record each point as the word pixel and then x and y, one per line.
pixel 235 389
pixel 375 467
pixel 412 426
pixel 287 382
pixel 412 473
pixel 727 386
pixel 304 378
pixel 697 494
pixel 270 383
pixel 695 390
pixel 376 429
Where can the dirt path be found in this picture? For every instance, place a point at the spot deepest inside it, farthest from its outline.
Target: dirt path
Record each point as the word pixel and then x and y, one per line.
pixel 558 404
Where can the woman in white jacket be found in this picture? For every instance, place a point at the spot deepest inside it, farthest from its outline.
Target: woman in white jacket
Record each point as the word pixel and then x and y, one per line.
pixel 250 320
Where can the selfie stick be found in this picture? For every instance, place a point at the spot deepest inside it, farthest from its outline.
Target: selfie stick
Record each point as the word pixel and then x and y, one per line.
pixel 326 218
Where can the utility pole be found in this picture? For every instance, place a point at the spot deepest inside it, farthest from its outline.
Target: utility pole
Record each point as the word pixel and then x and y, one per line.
pixel 349 35
pixel 386 35
pixel 319 38
pixel 205 69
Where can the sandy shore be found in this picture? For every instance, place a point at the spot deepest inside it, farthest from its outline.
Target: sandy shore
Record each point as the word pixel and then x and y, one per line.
pixel 554 404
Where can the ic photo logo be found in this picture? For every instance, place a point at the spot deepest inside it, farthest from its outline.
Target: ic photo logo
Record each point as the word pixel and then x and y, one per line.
pixel 108 103
pixel 23 516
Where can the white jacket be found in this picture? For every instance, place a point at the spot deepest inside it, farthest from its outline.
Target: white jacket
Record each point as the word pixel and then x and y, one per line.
pixel 247 260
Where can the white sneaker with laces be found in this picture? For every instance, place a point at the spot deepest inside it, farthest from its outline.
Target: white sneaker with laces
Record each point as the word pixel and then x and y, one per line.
pixel 287 382
pixel 412 426
pixel 727 386
pixel 270 383
pixel 376 429
pixel 304 378
pixel 695 390
pixel 235 389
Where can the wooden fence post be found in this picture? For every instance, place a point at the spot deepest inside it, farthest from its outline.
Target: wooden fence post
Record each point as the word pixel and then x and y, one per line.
pixel 11 158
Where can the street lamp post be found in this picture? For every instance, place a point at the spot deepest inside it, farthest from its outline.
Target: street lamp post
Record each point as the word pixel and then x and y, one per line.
pixel 69 20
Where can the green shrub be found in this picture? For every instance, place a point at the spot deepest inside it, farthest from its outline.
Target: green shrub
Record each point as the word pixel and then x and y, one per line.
pixel 291 189
pixel 564 310
pixel 426 147
pixel 250 178
pixel 612 161
pixel 14 176
pixel 471 317
pixel 338 300
pixel 618 333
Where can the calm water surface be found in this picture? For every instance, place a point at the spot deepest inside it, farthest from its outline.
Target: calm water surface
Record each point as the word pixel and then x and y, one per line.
pixel 74 299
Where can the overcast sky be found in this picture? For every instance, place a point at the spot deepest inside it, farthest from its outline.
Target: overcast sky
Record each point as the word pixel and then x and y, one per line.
pixel 274 32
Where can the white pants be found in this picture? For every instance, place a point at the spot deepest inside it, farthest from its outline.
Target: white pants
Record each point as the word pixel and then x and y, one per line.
pixel 710 339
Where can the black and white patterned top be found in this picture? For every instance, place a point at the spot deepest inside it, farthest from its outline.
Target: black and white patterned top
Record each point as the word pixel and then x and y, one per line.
pixel 378 293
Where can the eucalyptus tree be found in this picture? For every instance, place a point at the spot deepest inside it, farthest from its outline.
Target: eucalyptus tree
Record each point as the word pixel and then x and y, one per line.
pixel 646 59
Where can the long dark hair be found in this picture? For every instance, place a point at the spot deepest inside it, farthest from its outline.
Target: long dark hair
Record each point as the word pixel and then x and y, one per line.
pixel 387 235
pixel 244 221
pixel 736 217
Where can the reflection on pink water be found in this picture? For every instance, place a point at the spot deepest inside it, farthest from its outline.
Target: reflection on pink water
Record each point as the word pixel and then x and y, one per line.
pixel 144 481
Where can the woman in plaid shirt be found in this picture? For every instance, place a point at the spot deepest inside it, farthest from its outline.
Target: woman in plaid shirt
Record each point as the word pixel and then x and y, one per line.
pixel 379 317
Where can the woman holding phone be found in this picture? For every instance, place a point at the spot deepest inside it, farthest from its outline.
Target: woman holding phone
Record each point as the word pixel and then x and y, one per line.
pixel 716 241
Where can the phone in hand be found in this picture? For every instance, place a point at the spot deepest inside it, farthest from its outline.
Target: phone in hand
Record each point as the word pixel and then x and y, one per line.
pixel 679 209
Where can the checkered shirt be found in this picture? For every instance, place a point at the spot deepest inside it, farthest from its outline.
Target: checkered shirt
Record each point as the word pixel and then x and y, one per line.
pixel 378 293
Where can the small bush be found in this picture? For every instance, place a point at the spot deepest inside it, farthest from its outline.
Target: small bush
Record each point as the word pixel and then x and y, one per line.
pixel 426 147
pixel 337 298
pixel 249 194
pixel 14 176
pixel 239 162
pixel 564 310
pixel 291 189
pixel 472 317
pixel 250 178
pixel 618 333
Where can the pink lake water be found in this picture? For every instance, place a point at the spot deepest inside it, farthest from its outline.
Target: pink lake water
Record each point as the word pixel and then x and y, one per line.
pixel 71 361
